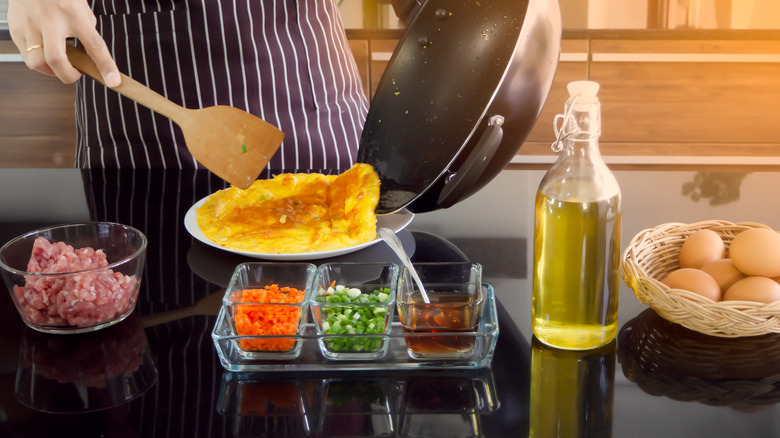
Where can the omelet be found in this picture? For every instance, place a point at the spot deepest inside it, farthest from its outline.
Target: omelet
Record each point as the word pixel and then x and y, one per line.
pixel 295 213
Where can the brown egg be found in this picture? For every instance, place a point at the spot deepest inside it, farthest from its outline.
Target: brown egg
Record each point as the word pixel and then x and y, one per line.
pixel 758 289
pixel 694 280
pixel 724 272
pixel 701 247
pixel 756 251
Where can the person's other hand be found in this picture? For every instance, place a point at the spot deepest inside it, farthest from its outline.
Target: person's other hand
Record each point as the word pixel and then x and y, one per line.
pixel 40 28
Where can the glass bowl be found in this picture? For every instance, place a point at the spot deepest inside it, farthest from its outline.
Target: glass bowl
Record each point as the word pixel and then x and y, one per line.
pixel 74 278
pixel 264 311
pixel 439 329
pixel 352 307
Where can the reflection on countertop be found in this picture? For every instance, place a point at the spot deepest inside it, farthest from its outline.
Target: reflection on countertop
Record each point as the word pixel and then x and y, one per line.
pixel 666 359
pixel 84 373
pixel 384 404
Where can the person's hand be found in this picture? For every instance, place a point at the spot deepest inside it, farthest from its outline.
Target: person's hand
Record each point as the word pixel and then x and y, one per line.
pixel 40 28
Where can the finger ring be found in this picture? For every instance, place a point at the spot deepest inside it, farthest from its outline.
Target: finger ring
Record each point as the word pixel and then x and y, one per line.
pixel 33 47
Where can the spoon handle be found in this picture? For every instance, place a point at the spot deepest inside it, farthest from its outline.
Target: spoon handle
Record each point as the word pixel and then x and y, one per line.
pixel 395 244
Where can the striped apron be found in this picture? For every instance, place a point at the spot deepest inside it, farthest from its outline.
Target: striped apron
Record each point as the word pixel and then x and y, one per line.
pixel 286 61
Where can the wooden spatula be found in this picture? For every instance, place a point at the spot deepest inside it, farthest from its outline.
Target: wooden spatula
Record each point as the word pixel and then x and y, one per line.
pixel 232 143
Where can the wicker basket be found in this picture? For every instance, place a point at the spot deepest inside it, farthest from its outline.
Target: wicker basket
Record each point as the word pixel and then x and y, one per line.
pixel 654 253
pixel 666 359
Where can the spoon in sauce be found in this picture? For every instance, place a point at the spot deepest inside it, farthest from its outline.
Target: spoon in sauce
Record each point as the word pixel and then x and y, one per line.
pixel 394 243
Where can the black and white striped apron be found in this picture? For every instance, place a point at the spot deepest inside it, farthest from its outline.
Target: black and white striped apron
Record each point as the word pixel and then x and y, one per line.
pixel 286 61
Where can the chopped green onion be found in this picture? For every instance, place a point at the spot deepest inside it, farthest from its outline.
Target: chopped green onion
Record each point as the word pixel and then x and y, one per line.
pixel 361 313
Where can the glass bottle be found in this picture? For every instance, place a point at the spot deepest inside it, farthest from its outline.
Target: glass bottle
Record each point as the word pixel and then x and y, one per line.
pixel 577 233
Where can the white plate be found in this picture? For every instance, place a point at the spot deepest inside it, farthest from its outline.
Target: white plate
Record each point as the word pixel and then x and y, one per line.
pixel 396 222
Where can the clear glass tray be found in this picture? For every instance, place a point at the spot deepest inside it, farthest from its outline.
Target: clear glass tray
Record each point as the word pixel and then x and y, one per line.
pixel 308 354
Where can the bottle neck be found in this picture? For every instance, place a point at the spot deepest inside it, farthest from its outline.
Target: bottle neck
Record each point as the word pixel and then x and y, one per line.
pixel 580 172
pixel 583 122
pixel 582 149
pixel 582 129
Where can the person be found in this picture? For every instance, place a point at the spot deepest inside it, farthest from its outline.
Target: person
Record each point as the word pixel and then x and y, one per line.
pixel 286 61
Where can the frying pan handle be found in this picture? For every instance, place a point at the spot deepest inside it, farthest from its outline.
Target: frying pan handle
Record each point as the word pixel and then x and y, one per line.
pixel 468 173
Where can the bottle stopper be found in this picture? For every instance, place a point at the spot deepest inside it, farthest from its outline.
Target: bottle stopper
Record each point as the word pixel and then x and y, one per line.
pixel 585 91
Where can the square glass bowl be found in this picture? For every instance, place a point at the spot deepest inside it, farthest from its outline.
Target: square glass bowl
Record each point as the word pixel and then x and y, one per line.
pixel 264 311
pixel 439 329
pixel 352 306
pixel 75 277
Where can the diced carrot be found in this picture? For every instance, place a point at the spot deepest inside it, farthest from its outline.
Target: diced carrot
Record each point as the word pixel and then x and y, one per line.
pixel 266 318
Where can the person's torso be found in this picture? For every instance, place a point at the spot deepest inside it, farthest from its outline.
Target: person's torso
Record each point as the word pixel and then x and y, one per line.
pixel 286 61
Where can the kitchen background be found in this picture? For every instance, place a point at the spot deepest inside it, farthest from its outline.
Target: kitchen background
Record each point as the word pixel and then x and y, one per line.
pixel 682 81
pixel 615 14
pixel 598 14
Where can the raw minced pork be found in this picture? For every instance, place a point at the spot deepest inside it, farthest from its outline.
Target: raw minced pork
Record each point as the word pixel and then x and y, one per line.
pixel 83 299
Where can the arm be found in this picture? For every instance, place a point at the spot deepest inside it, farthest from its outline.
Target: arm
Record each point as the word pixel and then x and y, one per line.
pixel 48 23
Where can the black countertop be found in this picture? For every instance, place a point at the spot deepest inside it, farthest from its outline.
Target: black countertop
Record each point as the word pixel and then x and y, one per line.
pixel 178 388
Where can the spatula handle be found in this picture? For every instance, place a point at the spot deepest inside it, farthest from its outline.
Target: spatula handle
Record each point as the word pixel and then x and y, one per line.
pixel 129 87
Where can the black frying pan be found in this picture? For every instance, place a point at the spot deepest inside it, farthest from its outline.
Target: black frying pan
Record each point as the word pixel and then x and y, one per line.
pixel 460 94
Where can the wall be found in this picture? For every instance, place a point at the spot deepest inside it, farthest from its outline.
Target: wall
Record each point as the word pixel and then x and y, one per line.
pixel 675 99
pixel 3 14
pixel 611 14
pixel 755 14
pixel 664 93
pixel 37 126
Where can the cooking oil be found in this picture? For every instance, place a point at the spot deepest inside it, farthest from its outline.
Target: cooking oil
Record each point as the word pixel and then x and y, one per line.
pixel 576 256
pixel 577 234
